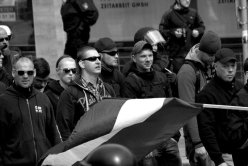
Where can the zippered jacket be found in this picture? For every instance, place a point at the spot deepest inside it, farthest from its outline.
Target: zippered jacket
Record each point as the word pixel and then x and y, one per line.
pixel 28 127
pixel 53 90
pixel 212 123
pixel 75 101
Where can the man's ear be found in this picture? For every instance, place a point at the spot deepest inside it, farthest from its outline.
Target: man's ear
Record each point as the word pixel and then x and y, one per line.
pixel 81 64
pixel 133 58
pixel 13 73
pixel 34 72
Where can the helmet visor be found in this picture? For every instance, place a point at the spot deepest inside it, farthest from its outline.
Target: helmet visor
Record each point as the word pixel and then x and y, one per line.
pixel 154 37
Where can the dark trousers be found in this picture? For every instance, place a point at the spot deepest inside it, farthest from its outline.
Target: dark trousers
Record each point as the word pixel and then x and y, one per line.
pixel 166 155
pixel 75 40
pixel 240 158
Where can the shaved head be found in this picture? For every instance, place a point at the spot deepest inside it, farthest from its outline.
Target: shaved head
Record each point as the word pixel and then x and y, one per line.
pixel 3 33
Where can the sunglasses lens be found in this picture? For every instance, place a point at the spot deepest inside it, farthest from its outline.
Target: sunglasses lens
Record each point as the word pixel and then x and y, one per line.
pixel 66 71
pixel 94 58
pixel 113 53
pixel 30 73
pixel 73 71
pixel 6 38
pixel 21 73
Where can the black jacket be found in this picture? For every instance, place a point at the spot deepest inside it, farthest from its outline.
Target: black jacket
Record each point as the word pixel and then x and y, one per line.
pixel 146 85
pixel 212 123
pixel 238 120
pixel 186 18
pixel 53 90
pixel 78 14
pixel 74 102
pixel 113 77
pixel 28 127
pixel 5 77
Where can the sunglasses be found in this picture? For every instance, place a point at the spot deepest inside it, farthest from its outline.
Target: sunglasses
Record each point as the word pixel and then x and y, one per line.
pixel 29 73
pixel 93 58
pixel 67 71
pixel 112 53
pixel 5 38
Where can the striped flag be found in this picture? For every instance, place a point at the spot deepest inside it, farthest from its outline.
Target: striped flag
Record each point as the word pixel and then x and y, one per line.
pixel 139 124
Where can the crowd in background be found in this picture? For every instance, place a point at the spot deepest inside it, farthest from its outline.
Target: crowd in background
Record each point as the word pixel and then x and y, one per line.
pixel 178 59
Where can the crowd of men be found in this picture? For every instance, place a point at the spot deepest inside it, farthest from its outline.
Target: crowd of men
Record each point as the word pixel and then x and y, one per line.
pixel 182 60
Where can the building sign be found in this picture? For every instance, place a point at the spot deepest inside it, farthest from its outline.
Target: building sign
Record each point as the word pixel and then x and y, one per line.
pixel 120 19
pixel 7 11
pixel 220 16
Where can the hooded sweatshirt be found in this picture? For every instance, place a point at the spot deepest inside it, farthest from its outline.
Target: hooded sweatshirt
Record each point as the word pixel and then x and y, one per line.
pixel 76 100
pixel 53 90
pixel 186 90
pixel 28 127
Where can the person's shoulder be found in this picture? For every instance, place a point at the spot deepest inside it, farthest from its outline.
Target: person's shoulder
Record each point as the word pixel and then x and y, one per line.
pixel 133 78
pixel 41 95
pixel 168 12
pixel 187 67
pixel 243 92
pixel 160 74
pixel 3 87
pixel 109 89
pixel 238 84
pixel 192 10
pixel 210 88
pixel 186 71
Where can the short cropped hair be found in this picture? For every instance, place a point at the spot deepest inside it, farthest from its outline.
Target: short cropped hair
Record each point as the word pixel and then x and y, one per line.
pixel 42 67
pixel 81 52
pixel 22 57
pixel 61 58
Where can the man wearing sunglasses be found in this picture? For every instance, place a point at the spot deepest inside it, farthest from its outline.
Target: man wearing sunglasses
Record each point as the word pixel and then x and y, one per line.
pixel 110 57
pixel 28 126
pixel 85 90
pixel 9 55
pixel 66 70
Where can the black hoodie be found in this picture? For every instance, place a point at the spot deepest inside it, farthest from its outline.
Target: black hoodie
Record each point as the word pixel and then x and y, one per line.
pixel 53 90
pixel 28 127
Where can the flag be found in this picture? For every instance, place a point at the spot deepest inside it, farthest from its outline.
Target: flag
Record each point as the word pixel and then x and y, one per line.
pixel 139 124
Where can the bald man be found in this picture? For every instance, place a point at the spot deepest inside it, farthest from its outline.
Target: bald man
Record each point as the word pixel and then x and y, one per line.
pixel 66 70
pixel 28 127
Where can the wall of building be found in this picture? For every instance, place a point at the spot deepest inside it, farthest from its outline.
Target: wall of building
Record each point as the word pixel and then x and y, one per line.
pixel 48 29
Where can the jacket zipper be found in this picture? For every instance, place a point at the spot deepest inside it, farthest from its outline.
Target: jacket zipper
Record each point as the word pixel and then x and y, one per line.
pixel 35 150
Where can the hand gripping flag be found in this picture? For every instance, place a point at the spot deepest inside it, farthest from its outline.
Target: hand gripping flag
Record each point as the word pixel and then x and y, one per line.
pixel 139 124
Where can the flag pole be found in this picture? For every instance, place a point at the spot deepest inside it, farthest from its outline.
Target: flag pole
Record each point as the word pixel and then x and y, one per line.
pixel 228 107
